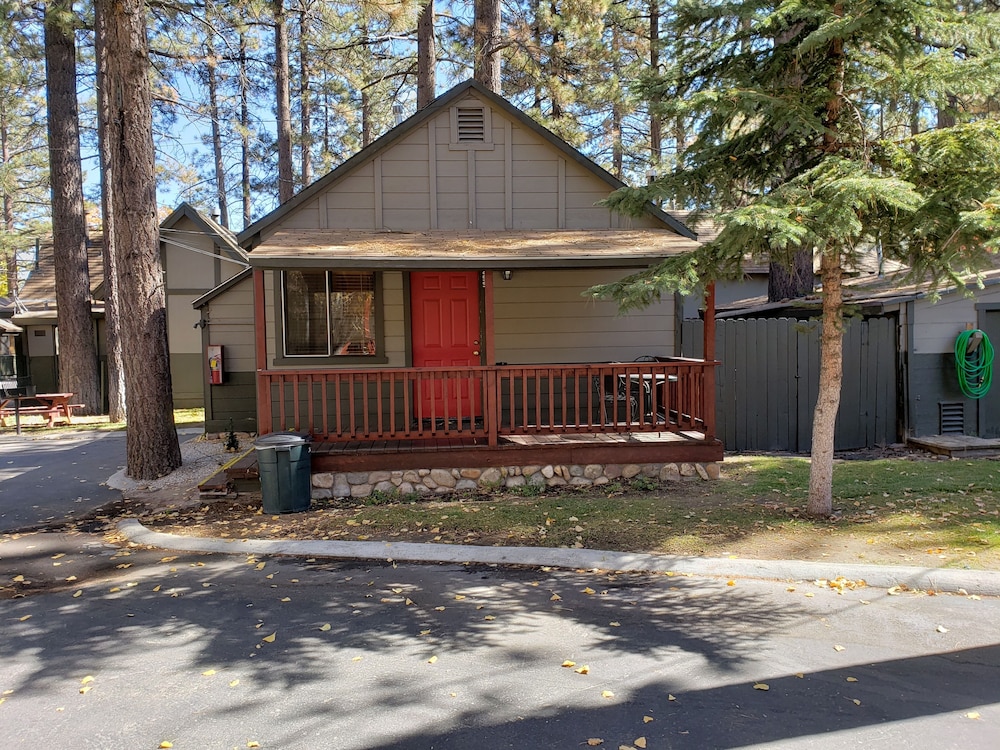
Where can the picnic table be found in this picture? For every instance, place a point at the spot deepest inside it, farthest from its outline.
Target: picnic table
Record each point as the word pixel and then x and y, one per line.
pixel 51 405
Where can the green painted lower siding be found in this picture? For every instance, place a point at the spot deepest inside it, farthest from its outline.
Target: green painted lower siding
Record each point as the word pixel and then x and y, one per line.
pixel 187 378
pixel 236 400
pixel 44 374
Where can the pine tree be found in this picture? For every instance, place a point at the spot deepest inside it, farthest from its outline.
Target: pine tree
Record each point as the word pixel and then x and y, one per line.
pixel 798 162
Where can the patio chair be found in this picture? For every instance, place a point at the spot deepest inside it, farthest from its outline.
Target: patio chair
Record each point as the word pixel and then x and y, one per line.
pixel 618 392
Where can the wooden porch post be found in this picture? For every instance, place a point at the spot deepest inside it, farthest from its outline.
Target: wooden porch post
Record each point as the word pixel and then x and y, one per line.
pixel 489 352
pixel 260 354
pixel 709 349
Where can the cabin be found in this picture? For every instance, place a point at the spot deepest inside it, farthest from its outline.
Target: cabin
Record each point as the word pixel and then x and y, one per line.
pixel 422 310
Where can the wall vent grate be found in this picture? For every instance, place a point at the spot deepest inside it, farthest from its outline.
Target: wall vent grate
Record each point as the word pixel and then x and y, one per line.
pixel 952 417
pixel 471 123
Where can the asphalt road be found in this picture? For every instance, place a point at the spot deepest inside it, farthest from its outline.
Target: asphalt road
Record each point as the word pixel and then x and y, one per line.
pixel 223 652
pixel 56 476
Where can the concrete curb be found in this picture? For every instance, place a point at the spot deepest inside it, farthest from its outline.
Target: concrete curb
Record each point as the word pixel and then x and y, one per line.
pixel 983 583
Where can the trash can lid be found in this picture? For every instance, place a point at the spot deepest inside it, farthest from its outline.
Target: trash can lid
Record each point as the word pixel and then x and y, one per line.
pixel 278 440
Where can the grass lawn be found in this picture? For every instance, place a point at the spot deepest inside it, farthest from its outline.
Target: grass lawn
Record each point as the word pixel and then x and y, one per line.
pixel 35 424
pixel 922 511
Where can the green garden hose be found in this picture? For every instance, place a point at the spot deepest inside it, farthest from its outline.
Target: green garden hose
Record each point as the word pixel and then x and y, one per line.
pixel 975 365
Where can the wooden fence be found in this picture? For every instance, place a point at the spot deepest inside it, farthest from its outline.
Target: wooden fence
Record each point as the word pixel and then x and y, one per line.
pixel 767 384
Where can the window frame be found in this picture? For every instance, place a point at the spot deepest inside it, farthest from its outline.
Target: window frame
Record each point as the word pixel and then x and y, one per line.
pixel 313 360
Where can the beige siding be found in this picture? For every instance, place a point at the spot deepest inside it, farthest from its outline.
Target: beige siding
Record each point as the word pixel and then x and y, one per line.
pixel 937 325
pixel 231 325
pixel 520 182
pixel 542 317
pixel 184 268
pixel 182 335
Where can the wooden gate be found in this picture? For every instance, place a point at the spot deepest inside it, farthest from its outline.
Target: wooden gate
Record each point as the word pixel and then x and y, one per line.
pixel 767 385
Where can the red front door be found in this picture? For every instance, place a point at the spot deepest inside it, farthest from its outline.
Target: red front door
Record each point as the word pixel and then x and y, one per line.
pixel 444 315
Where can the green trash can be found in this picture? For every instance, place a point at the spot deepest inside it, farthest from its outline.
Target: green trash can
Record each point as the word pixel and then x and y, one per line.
pixel 284 465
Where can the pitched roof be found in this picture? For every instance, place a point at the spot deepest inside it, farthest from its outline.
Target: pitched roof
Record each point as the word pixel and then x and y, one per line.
pixel 249 235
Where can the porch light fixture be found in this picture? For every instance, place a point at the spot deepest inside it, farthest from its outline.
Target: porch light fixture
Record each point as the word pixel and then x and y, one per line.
pixel 506 273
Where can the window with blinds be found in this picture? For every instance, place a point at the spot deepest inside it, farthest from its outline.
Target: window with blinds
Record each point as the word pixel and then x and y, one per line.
pixel 328 313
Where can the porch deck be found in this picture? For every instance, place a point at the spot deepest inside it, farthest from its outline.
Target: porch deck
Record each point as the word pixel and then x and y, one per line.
pixel 582 448
pixel 372 455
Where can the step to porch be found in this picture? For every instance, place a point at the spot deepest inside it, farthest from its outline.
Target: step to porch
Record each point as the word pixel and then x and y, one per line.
pixel 957 446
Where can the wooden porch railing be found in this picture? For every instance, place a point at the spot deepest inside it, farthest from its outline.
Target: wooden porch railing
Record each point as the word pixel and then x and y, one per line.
pixel 429 403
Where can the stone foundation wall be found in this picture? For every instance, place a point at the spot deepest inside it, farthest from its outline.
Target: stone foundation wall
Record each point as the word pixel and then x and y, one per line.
pixel 441 481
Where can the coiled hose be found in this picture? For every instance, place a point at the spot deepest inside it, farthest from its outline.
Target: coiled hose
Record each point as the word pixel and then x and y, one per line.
pixel 975 367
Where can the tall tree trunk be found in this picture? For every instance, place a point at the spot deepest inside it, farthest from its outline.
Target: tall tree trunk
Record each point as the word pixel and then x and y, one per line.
pixel 831 357
pixel 77 340
pixel 486 43
pixel 117 411
pixel 305 101
pixel 366 118
pixel 785 282
pixel 655 122
pixel 152 449
pixel 10 259
pixel 213 111
pixel 426 56
pixel 555 66
pixel 286 179
pixel 245 133
pixel 617 151
pixel 831 373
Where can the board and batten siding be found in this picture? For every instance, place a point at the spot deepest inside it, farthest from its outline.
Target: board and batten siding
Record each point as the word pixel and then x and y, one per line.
pixel 938 324
pixel 427 181
pixel 541 317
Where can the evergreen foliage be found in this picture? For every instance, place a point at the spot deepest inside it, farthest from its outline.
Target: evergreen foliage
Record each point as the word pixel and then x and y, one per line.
pixel 811 120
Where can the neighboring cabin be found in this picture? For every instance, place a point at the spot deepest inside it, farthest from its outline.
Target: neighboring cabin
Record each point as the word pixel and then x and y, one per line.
pixel 197 254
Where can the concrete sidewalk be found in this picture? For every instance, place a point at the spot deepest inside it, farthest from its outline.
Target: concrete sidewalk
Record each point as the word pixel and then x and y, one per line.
pixel 983 583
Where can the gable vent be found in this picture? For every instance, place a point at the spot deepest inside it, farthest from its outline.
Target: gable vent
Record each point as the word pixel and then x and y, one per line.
pixel 471 122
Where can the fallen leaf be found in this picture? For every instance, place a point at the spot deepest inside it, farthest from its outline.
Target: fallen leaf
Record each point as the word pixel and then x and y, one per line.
pixel 941 629
pixel 234 683
pixel 568 663
pixel 168 559
pixel 589 591
pixel 555 598
pixel 639 742
pixel 855 701
pixel 208 672
pixel 852 679
pixel 585 669
pixel 595 741
pixel 166 744
pixel 607 694
pixel 270 638
pixel 260 566
pixel 57 556
pixel 671 697
pixel 252 743
pixel 432 660
pixel 615 624
pixel 972 715
pixel 286 599
pixel 459 597
pixel 761 686
pixel 87 680
pixel 839 648
pixel 489 617
pixel 409 602
pixel 730 582
pixel 84 690
pixel 156 588
pixel 439 609
pixel 800 675
pixel 26 617
pixel 18 579
pixel 647 719
pixel 78 593
pixel 325 626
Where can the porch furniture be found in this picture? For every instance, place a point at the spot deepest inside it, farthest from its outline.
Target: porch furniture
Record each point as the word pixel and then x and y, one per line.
pixel 618 393
pixel 51 405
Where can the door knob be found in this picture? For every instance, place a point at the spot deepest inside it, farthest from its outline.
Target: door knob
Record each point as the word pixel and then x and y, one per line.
pixel 475 353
